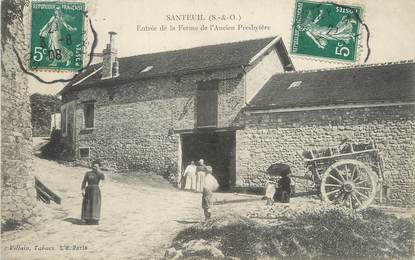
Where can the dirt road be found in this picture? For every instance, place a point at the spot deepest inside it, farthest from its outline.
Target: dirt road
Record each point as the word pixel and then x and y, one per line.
pixel 140 217
pixel 141 214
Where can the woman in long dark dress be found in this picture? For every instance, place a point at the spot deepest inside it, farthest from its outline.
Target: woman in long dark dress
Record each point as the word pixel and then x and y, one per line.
pixel 283 192
pixel 91 203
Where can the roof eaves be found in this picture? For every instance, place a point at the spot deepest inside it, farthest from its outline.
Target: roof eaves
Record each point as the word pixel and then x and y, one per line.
pixel 349 67
pixel 119 80
pixel 71 84
pixel 87 76
pixel 321 105
pixel 264 50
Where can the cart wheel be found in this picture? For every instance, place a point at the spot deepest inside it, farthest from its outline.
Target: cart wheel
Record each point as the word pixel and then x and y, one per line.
pixel 349 183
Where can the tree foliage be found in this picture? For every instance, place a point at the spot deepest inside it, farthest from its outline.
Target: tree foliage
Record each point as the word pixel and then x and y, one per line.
pixel 43 106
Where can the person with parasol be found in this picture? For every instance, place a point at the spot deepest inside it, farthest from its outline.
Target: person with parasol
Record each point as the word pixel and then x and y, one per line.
pixel 285 183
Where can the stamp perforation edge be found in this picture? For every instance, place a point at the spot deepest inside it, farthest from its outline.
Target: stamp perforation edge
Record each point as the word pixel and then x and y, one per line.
pixel 85 38
pixel 360 46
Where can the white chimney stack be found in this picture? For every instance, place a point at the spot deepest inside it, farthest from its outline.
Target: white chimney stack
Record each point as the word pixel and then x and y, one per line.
pixel 109 59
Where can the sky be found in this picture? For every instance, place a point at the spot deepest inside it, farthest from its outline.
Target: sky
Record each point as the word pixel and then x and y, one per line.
pixel 391 25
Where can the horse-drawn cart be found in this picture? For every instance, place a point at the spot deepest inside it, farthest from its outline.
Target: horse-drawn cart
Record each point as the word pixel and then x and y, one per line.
pixel 349 175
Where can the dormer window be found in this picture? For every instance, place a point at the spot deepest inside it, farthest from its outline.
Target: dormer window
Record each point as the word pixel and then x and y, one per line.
pixel 295 84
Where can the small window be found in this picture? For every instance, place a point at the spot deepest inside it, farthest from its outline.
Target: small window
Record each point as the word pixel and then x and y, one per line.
pixel 63 121
pixel 84 152
pixel 148 68
pixel 89 115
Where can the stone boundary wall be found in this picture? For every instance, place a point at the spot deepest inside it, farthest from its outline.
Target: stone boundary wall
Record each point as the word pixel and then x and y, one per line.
pixel 276 137
pixel 18 195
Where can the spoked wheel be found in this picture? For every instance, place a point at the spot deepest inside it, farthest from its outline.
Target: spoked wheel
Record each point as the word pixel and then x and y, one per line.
pixel 349 183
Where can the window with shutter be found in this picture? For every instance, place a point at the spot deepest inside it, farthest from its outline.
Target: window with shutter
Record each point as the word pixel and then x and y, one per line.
pixel 89 114
pixel 207 103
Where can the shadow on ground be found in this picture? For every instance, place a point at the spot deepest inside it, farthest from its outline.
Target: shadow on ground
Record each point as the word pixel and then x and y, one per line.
pixel 187 221
pixel 10 226
pixel 75 221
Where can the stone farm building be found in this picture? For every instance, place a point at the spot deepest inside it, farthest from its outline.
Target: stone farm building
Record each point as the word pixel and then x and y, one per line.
pixel 241 106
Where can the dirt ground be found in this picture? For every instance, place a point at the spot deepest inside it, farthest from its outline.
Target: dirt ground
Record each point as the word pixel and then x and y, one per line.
pixel 141 214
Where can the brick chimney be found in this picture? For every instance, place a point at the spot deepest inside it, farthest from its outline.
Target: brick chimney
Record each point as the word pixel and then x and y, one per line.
pixel 109 59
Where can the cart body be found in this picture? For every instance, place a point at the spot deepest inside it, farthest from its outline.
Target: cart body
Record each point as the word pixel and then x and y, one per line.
pixel 350 174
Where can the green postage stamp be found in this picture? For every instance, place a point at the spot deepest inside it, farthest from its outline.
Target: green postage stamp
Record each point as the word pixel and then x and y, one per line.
pixel 57 31
pixel 326 30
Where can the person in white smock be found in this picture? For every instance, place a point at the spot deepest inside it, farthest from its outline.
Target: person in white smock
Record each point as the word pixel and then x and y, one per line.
pixel 190 176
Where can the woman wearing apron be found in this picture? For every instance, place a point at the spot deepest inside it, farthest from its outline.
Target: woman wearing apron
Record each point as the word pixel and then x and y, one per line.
pixel 91 203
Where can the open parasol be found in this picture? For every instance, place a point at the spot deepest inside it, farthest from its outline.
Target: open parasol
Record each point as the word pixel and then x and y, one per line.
pixel 279 169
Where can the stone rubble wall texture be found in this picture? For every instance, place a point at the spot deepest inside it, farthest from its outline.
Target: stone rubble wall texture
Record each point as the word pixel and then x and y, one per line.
pixel 18 195
pixel 134 122
pixel 135 127
pixel 276 138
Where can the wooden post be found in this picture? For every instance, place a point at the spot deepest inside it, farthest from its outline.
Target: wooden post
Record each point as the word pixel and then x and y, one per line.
pixel 45 194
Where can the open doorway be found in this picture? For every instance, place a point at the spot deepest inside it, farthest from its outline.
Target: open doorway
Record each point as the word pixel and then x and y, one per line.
pixel 218 151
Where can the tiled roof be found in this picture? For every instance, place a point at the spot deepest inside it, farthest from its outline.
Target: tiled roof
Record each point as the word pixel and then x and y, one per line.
pixel 179 61
pixel 374 83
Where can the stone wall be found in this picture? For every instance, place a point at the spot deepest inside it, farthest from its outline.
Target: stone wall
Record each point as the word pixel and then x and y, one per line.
pixel 17 185
pixel 135 122
pixel 276 137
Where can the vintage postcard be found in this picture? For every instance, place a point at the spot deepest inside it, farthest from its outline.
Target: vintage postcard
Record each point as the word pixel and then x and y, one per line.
pixel 190 129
